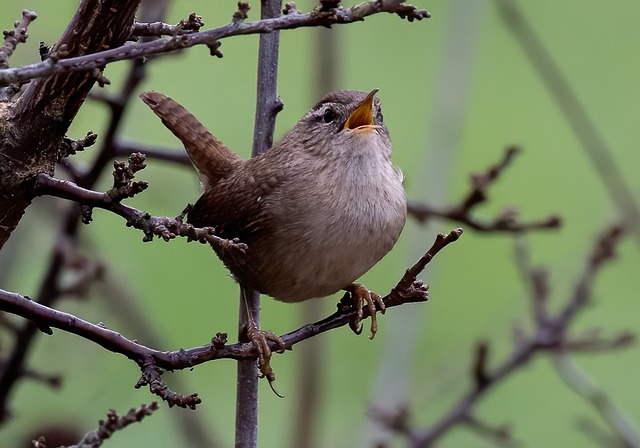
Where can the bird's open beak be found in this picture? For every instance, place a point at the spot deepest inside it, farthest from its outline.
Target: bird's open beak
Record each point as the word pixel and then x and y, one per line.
pixel 362 117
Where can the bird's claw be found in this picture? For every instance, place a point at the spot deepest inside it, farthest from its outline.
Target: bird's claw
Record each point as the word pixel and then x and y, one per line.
pixel 260 340
pixel 361 296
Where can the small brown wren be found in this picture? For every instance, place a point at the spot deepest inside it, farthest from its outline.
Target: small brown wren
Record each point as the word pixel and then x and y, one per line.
pixel 317 210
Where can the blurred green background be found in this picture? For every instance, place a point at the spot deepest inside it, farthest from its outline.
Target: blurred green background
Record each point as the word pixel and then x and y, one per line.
pixel 456 90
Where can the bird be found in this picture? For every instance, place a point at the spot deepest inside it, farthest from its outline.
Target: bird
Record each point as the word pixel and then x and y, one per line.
pixel 316 211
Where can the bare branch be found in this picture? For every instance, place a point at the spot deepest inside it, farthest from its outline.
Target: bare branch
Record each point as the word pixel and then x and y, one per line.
pixel 185 26
pixel 52 380
pixel 210 37
pixel 562 91
pixel 15 36
pixel 71 147
pixel 175 155
pixel 114 423
pixel 550 336
pixel 578 381
pixel 152 362
pixel 479 373
pixel 592 341
pixel 480 183
pixel 151 376
pixel 501 435
pixel 162 226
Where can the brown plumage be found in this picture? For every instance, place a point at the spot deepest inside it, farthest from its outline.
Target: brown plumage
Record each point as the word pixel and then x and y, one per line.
pixel 316 211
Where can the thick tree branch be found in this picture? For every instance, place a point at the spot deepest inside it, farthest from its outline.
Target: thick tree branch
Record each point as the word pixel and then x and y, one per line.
pixel 49 104
pixel 152 361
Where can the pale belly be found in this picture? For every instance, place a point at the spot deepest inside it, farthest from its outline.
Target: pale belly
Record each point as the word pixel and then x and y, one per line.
pixel 328 258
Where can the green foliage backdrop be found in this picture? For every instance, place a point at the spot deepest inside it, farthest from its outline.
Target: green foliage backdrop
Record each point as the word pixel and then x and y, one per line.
pixel 476 292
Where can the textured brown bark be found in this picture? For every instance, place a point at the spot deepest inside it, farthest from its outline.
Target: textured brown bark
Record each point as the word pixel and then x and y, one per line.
pixel 32 128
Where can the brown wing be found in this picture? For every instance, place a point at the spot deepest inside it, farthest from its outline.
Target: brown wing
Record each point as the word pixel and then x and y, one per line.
pixel 239 206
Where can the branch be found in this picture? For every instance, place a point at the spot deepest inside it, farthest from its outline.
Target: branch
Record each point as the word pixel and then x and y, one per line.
pixel 190 25
pixel 480 183
pixel 317 17
pixel 174 155
pixel 562 91
pixel 579 382
pixel 152 362
pixel 268 105
pixel 161 226
pixel 52 380
pixel 48 105
pixel 550 336
pixel 15 36
pixel 114 423
pixel 501 435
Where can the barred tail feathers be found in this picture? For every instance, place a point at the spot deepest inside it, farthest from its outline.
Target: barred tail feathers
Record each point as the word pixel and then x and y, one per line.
pixel 210 157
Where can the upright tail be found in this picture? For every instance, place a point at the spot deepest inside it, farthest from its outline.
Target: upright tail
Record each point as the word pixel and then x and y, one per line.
pixel 211 158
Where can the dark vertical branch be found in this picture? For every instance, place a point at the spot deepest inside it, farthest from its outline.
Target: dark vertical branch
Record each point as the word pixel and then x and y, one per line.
pixel 267 107
pixel 247 375
pixel 268 104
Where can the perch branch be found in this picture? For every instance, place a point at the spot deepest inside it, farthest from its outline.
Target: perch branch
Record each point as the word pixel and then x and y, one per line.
pixel 152 362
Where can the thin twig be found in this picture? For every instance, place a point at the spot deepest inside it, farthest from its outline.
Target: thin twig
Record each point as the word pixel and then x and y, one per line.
pixel 190 25
pixel 114 423
pixel 15 36
pixel 162 226
pixel 480 183
pixel 173 155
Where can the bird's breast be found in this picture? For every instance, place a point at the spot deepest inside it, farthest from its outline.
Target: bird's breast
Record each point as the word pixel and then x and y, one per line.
pixel 340 223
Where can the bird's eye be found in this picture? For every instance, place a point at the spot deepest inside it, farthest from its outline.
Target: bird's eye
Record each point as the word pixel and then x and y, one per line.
pixel 329 116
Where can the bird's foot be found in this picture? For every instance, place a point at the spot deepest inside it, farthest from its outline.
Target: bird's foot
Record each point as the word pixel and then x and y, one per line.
pixel 361 296
pixel 260 340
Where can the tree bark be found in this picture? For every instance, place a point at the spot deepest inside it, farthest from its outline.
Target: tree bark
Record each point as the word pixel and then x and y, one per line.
pixel 33 126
